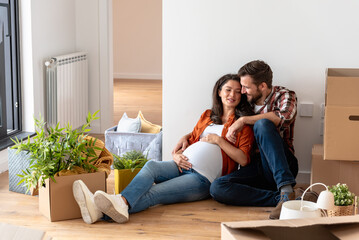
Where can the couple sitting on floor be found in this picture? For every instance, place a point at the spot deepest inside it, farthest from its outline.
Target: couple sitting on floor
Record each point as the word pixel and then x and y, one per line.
pixel 240 152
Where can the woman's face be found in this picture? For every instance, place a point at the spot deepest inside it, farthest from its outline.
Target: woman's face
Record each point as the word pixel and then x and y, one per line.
pixel 230 94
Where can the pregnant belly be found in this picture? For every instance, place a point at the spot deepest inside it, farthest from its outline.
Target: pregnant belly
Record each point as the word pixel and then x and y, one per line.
pixel 200 154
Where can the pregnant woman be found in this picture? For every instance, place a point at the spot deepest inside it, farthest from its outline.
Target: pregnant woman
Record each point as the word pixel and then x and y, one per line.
pixel 189 175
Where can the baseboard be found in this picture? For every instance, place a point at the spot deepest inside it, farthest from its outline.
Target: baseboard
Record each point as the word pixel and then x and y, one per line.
pixel 3 161
pixel 137 76
pixel 303 177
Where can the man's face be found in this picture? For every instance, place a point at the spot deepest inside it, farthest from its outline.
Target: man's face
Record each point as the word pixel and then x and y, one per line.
pixel 250 89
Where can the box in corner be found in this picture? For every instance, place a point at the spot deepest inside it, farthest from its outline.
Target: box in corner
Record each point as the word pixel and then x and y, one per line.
pixel 333 172
pixel 341 125
pixel 56 200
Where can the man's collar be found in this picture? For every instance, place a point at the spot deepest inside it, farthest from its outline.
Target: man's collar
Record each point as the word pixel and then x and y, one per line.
pixel 269 96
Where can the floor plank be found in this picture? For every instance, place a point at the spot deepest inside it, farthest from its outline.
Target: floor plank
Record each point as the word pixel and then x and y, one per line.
pixel 196 220
pixel 133 95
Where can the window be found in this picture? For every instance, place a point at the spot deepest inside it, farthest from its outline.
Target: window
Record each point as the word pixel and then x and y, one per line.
pixel 10 110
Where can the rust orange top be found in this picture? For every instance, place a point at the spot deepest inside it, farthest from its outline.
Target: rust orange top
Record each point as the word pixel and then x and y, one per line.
pixel 244 140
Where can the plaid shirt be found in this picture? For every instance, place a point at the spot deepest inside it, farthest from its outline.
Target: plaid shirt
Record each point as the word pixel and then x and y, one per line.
pixel 283 103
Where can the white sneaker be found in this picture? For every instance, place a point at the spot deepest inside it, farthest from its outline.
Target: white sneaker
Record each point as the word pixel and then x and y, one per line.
pixel 85 199
pixel 112 205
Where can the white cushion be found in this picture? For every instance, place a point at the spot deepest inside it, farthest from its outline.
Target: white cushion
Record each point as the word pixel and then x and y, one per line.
pixel 131 125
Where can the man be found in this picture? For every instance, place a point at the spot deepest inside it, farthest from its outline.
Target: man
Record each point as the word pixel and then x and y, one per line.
pixel 270 177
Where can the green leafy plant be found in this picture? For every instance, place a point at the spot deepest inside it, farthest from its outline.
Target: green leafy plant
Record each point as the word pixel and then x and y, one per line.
pixel 130 160
pixel 54 149
pixel 342 195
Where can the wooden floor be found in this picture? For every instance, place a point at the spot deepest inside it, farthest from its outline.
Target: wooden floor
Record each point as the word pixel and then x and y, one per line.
pixel 197 220
pixel 133 95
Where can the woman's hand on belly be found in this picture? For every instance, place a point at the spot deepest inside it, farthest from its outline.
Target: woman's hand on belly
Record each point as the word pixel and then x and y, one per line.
pixel 181 161
pixel 211 138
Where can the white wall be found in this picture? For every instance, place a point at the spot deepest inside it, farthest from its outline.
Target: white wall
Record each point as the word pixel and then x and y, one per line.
pixel 56 27
pixel 94 35
pixel 204 39
pixel 137 33
pixel 52 33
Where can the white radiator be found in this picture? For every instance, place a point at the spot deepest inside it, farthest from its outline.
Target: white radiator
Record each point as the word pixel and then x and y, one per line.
pixel 67 90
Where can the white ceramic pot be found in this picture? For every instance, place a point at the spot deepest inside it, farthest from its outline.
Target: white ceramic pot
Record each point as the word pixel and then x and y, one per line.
pixel 292 209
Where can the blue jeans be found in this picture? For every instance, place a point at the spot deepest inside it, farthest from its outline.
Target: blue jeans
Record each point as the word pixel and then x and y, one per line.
pixel 171 186
pixel 259 183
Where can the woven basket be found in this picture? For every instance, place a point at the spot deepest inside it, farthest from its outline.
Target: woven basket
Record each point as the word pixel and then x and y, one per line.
pixel 341 211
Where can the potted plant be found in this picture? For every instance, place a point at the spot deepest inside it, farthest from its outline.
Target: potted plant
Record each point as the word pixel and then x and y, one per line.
pixel 58 157
pixel 127 167
pixel 343 200
pixel 55 149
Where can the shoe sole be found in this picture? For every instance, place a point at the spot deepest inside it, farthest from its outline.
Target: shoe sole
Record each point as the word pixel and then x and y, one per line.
pixel 79 195
pixel 108 207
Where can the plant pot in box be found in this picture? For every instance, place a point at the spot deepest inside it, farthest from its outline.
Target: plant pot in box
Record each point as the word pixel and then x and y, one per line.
pixel 56 154
pixel 341 211
pixel 123 177
pixel 343 201
pixel 58 151
pixel 127 167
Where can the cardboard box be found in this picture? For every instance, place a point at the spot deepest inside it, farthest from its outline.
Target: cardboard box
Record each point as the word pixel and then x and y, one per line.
pixel 56 200
pixel 333 172
pixel 325 228
pixel 341 123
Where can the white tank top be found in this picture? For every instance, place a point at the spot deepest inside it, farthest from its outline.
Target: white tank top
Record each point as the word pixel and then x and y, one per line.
pixel 206 158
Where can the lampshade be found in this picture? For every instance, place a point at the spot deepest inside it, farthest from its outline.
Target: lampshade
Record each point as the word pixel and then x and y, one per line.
pixel 325 200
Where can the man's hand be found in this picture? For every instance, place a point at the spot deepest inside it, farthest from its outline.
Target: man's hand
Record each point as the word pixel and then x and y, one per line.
pixel 181 161
pixel 233 130
pixel 181 145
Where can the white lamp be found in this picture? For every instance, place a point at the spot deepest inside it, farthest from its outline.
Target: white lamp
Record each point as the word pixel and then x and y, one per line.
pixel 304 209
pixel 325 199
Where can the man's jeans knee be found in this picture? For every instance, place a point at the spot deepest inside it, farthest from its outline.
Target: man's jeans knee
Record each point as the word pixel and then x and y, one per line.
pixel 264 126
pixel 279 165
pixel 218 189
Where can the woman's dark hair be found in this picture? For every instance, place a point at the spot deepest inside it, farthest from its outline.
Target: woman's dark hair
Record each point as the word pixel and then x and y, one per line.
pixel 259 71
pixel 242 109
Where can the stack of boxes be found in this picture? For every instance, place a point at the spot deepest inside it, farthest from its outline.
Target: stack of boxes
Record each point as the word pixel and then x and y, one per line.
pixel 338 160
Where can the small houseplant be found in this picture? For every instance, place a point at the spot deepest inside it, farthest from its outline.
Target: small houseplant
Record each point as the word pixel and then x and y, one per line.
pixel 127 167
pixel 54 149
pixel 343 200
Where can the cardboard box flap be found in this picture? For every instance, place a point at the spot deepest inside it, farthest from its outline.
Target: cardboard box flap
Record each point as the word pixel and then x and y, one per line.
pixel 342 87
pixel 343 72
pixel 294 222
pixel 346 227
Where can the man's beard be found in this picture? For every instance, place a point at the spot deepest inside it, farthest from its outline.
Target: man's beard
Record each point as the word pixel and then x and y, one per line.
pixel 256 98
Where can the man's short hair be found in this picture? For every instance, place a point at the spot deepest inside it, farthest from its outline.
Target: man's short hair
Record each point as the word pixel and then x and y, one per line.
pixel 259 71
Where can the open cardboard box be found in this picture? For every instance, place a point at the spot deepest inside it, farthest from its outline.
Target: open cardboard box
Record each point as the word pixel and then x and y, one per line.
pixel 56 200
pixel 324 228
